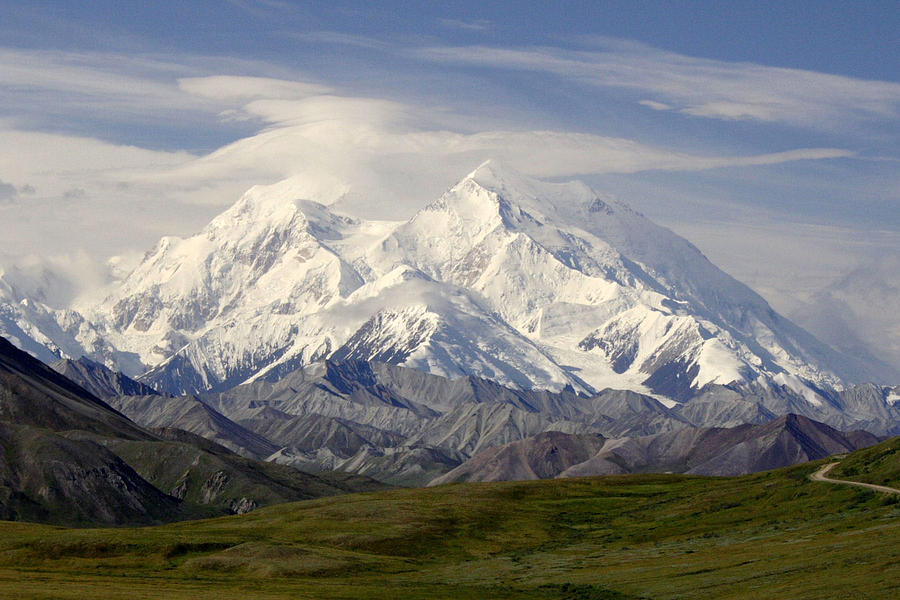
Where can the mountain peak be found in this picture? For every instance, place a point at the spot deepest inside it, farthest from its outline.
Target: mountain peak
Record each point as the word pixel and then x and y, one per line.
pixel 563 202
pixel 320 189
pixel 522 273
pixel 259 206
pixel 505 184
pixel 492 173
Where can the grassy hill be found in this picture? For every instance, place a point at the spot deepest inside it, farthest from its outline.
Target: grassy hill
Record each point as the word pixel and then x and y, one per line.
pixel 879 464
pixel 769 535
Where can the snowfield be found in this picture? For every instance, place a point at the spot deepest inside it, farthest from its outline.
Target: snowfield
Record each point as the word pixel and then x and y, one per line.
pixel 526 283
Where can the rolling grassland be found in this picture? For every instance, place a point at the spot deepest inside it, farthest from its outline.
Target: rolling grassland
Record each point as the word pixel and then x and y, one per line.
pixel 770 535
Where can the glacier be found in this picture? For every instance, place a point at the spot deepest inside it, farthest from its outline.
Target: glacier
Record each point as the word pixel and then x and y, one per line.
pixel 531 284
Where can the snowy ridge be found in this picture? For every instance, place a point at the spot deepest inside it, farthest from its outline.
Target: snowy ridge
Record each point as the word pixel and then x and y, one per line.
pixel 52 333
pixel 526 283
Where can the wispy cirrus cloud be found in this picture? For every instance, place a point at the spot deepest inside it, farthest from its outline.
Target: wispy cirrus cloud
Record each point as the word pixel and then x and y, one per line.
pixel 389 156
pixel 378 130
pixel 306 121
pixel 338 38
pixel 57 90
pixel 697 86
pixel 392 157
pixel 229 88
pixel 103 80
pixel 655 105
pixel 474 25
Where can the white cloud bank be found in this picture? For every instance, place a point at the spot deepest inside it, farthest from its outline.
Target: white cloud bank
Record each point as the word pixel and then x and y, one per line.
pixel 394 157
pixel 376 157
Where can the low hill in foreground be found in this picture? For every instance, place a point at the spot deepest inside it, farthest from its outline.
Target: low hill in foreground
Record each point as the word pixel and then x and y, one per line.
pixel 769 535
pixel 879 464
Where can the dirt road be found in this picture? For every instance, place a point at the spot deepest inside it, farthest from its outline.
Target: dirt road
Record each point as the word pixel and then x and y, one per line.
pixel 820 475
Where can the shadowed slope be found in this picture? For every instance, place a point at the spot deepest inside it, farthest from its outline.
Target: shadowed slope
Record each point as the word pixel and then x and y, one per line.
pixel 99 380
pixel 68 457
pixel 31 393
pixel 50 478
pixel 190 414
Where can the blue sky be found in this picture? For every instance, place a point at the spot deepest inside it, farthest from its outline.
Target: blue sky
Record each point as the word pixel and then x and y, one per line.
pixel 766 132
pixel 370 48
pixel 832 36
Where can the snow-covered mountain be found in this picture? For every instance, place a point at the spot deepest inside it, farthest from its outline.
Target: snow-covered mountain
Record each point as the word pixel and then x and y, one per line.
pixel 49 333
pixel 527 283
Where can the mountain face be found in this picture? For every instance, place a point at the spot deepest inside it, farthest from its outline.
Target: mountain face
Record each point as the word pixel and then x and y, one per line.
pixel 48 477
pixel 403 426
pixel 34 395
pixel 68 457
pixel 49 333
pixel 99 380
pixel 191 415
pixel 788 440
pixel 524 283
pixel 406 427
pixel 200 473
pixel 52 467
pixel 543 456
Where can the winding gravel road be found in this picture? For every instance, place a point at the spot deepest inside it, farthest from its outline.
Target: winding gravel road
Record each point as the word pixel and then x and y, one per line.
pixel 820 475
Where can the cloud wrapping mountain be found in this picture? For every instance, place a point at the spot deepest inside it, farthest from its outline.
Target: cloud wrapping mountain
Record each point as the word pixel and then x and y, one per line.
pixel 530 284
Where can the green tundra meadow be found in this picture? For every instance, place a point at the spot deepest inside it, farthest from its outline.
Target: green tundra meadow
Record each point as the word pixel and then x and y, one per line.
pixel 769 535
